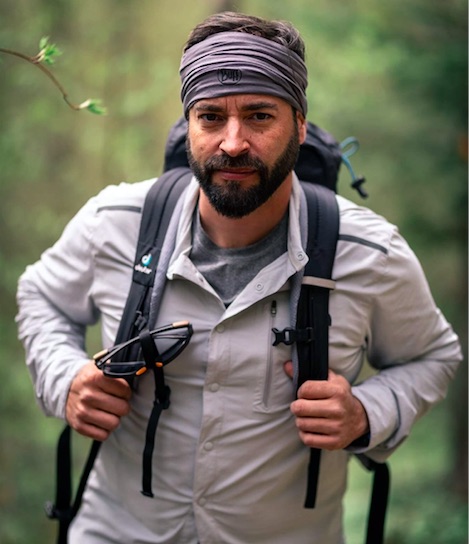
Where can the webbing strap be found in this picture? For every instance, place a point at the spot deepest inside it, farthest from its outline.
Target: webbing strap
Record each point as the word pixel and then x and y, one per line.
pixel 378 503
pixel 160 403
pixel 61 509
pixel 147 457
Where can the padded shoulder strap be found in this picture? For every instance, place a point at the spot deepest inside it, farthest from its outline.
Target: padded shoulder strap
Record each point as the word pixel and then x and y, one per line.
pixel 156 215
pixel 313 307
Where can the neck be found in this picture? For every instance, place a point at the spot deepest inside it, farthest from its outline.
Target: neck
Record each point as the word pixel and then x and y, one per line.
pixel 227 232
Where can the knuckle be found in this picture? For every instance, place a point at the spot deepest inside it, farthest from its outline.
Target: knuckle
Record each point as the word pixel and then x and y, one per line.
pixel 299 424
pixel 113 424
pixel 122 408
pixel 80 412
pixel 78 426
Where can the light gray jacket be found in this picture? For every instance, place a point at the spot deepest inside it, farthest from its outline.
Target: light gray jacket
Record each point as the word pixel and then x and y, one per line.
pixel 228 464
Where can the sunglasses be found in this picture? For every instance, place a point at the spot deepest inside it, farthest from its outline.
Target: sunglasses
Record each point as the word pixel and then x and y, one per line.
pixel 177 335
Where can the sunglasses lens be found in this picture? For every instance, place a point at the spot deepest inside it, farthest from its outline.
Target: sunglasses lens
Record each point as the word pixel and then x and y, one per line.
pixel 122 369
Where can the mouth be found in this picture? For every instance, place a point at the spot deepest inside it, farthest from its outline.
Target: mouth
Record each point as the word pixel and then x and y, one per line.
pixel 236 174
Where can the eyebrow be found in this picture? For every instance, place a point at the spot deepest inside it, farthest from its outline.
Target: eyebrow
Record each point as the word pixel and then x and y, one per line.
pixel 253 106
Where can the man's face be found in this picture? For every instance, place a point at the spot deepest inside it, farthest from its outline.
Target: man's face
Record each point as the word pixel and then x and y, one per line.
pixel 241 148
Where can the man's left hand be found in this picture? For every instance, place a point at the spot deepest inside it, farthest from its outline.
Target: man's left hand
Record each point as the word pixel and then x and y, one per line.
pixel 327 414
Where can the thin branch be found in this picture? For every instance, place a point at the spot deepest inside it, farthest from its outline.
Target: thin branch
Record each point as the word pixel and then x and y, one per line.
pixel 91 105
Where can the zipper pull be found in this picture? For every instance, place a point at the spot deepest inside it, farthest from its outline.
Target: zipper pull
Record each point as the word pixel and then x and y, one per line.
pixel 273 308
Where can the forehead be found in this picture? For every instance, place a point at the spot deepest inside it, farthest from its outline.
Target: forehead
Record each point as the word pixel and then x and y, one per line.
pixel 242 102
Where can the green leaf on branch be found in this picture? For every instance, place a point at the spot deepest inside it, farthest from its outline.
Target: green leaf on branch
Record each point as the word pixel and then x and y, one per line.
pixel 94 106
pixel 48 51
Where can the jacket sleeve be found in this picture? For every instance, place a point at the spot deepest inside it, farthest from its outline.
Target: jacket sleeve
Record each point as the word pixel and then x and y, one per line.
pixel 411 345
pixel 55 306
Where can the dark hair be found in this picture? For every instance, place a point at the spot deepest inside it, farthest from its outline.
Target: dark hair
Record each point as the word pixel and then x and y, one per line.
pixel 281 32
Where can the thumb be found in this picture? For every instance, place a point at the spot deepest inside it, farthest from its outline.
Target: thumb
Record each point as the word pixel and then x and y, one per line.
pixel 288 367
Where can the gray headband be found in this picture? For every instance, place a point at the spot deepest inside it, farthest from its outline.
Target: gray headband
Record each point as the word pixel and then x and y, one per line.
pixel 239 63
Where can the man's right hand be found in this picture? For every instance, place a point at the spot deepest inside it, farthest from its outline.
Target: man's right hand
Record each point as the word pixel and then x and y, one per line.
pixel 96 403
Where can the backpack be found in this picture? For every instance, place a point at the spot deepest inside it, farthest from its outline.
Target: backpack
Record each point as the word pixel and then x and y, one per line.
pixel 319 162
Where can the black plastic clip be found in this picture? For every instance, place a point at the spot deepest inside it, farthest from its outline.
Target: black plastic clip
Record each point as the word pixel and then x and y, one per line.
pixel 52 512
pixel 357 185
pixel 289 336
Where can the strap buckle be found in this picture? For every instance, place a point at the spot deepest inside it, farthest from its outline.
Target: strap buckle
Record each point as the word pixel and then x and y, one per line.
pixel 289 336
pixel 52 512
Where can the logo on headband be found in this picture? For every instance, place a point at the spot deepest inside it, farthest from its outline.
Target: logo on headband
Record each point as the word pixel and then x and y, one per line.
pixel 229 76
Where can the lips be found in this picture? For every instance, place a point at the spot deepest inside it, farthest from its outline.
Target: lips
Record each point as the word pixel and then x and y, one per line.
pixel 236 174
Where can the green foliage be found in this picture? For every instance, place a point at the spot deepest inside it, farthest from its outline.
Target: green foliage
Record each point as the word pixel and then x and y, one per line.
pixel 48 51
pixel 93 105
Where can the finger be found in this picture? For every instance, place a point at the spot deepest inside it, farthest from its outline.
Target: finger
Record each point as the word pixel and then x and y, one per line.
pixel 97 426
pixel 91 376
pixel 335 385
pixel 320 441
pixel 288 367
pixel 316 408
pixel 318 425
pixel 117 387
pixel 95 397
pixel 316 390
pixel 89 389
pixel 96 422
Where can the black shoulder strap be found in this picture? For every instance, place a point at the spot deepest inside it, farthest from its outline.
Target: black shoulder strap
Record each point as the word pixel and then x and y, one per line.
pixel 313 345
pixel 313 305
pixel 156 215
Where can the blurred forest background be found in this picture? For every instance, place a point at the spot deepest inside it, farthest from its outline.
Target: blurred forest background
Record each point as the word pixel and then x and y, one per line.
pixel 392 74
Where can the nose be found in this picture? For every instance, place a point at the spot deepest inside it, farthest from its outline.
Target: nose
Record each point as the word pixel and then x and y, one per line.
pixel 234 139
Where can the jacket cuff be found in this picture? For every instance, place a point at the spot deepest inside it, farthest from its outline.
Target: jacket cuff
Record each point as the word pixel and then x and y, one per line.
pixel 382 410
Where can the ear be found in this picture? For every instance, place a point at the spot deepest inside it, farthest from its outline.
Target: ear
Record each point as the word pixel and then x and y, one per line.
pixel 302 126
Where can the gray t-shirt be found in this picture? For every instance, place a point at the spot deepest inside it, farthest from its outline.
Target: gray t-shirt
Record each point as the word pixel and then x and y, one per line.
pixel 229 270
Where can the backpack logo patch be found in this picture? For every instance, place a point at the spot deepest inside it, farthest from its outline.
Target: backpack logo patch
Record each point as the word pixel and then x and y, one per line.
pixel 146 259
pixel 144 264
pixel 229 76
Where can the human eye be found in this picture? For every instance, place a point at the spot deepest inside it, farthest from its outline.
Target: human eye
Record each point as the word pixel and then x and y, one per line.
pixel 209 117
pixel 261 116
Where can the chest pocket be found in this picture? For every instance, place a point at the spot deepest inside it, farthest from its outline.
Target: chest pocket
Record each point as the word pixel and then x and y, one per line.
pixel 256 365
pixel 274 390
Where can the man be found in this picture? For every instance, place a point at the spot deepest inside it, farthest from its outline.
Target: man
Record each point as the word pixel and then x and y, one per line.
pixel 230 457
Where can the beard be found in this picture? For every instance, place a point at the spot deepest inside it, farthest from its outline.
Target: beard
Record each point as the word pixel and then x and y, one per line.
pixel 231 199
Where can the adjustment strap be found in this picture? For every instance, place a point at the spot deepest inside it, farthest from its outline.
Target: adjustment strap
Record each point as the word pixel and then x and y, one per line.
pixel 151 356
pixel 150 444
pixel 318 282
pixel 378 503
pixel 61 510
pixel 161 402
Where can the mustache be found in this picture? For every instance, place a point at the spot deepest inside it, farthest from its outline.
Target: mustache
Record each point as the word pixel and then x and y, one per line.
pixel 219 162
